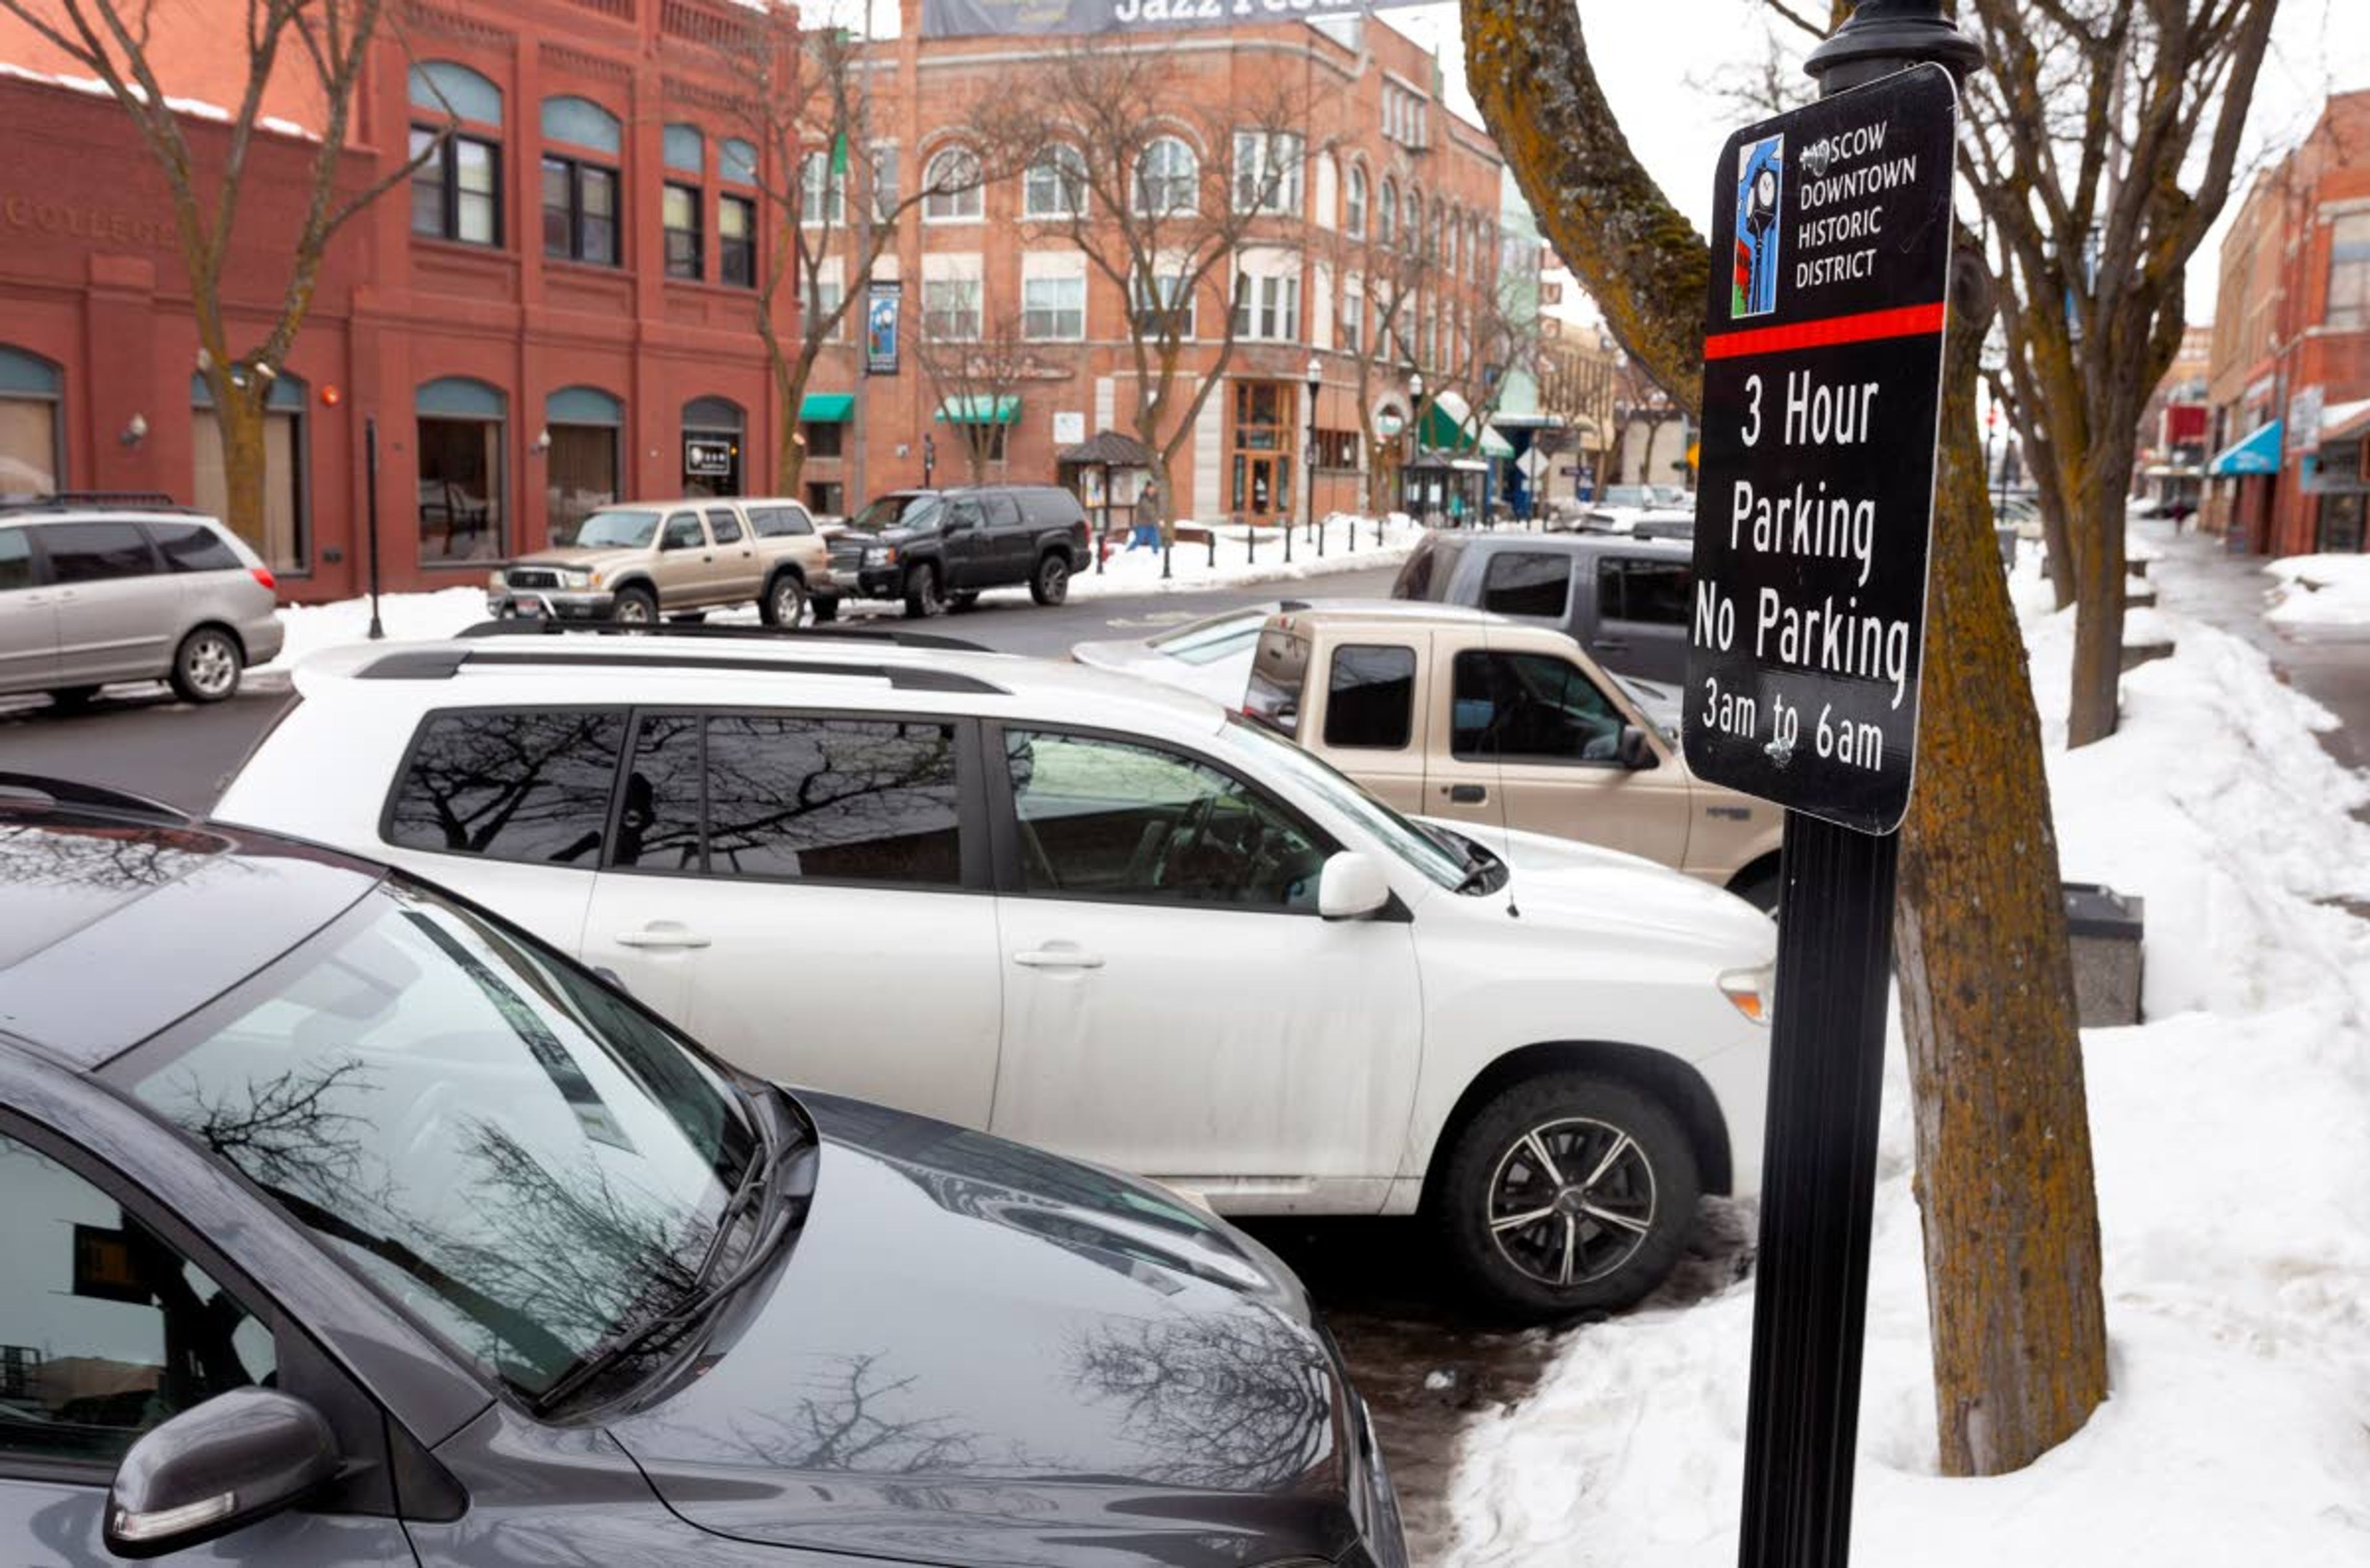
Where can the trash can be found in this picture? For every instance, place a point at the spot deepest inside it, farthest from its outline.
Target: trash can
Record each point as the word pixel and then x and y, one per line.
pixel 2105 928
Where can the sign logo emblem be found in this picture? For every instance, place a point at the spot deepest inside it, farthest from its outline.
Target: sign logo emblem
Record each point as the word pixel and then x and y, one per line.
pixel 1760 183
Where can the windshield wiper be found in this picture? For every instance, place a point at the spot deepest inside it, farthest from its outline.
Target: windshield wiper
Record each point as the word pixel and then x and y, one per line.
pixel 704 1289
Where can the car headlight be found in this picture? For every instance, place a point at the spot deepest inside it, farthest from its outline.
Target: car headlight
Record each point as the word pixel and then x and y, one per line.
pixel 495 582
pixel 880 555
pixel 1754 991
pixel 575 576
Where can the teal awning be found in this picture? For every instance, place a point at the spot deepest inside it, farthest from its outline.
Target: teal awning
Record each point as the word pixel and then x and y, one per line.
pixel 1493 444
pixel 2258 453
pixel 826 408
pixel 980 410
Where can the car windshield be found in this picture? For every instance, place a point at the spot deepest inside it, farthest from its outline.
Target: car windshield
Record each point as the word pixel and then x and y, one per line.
pixel 1413 844
pixel 893 511
pixel 1216 637
pixel 1625 495
pixel 519 1158
pixel 623 530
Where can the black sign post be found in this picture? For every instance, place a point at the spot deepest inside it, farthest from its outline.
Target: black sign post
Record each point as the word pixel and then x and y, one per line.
pixel 1822 362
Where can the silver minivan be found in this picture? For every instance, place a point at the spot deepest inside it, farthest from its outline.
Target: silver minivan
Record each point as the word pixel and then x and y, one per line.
pixel 93 594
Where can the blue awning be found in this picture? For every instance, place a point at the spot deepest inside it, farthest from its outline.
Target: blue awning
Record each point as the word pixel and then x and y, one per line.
pixel 2258 453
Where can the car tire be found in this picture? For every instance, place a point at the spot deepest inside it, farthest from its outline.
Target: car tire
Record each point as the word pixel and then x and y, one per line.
pixel 1051 582
pixel 968 598
pixel 785 604
pixel 1567 1261
pixel 924 596
pixel 635 606
pixel 826 608
pixel 74 696
pixel 207 665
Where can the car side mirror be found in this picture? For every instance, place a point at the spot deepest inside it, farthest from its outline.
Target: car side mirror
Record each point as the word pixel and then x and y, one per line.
pixel 1632 752
pixel 1351 886
pixel 215 1468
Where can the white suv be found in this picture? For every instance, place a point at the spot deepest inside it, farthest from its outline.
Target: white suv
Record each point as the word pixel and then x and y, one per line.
pixel 1081 912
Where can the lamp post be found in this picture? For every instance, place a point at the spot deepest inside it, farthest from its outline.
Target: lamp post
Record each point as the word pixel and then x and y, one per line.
pixel 1415 429
pixel 1308 466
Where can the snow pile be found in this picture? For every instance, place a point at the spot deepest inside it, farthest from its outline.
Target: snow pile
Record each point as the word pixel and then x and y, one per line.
pixel 2321 590
pixel 405 617
pixel 2233 1190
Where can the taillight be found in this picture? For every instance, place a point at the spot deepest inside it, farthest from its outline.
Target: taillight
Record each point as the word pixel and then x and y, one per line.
pixel 264 575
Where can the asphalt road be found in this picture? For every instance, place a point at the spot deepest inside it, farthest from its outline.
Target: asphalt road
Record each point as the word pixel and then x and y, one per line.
pixel 139 738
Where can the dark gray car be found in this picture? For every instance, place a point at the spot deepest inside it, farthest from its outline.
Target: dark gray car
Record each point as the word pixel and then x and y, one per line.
pixel 348 1224
pixel 1624 600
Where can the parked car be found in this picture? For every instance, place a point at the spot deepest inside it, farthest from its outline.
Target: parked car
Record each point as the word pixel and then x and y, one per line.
pixel 1498 725
pixel 639 560
pixel 939 550
pixel 1624 600
pixel 348 1223
pixel 1081 912
pixel 95 591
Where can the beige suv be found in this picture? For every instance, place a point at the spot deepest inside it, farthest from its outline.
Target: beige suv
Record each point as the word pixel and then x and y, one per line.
pixel 639 560
pixel 1497 724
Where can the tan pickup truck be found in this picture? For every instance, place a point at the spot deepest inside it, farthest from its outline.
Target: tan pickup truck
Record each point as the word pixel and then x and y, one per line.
pixel 637 560
pixel 1497 724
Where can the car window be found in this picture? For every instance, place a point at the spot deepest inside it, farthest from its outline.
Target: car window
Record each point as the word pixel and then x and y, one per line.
pixel 1652 591
pixel 1369 700
pixel 1527 582
pixel 723 526
pixel 1117 819
pixel 97 552
pixel 16 560
pixel 1414 580
pixel 526 785
pixel 1536 706
pixel 1003 511
pixel 1279 670
pixel 682 532
pixel 779 522
pixel 851 800
pixel 105 1329
pixel 962 514
pixel 193 547
pixel 658 819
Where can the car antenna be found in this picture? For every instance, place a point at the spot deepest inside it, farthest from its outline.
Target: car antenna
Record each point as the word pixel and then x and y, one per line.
pixel 1505 817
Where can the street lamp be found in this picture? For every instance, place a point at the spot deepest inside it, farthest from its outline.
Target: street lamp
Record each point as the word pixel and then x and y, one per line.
pixel 1308 468
pixel 1415 428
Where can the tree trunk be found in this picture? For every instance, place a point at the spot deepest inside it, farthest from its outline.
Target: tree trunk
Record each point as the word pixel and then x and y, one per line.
pixel 2003 1176
pixel 238 415
pixel 790 458
pixel 2099 567
pixel 2057 539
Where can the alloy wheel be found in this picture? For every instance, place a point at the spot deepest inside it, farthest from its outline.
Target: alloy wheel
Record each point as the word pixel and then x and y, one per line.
pixel 212 666
pixel 1571 1201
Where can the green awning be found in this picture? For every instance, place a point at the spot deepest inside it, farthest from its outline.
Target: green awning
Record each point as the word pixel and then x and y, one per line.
pixel 1449 425
pixel 1493 444
pixel 980 410
pixel 826 408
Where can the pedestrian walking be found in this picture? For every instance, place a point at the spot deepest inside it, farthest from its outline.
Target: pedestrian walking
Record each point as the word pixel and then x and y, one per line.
pixel 1148 517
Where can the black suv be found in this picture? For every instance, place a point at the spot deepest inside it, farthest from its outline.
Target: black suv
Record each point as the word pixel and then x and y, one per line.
pixel 937 549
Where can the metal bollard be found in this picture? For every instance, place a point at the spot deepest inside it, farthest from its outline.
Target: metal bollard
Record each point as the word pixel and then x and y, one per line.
pixel 1287 542
pixel 1378 533
pixel 1167 541
pixel 1250 539
pixel 1210 534
pixel 1320 534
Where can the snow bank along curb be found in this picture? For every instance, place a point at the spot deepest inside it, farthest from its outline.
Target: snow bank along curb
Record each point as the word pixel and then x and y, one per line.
pixel 2234 1192
pixel 2320 591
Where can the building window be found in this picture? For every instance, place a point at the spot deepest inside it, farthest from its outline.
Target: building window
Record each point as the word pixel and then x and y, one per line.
pixel 736 241
pixel 33 458
pixel 884 181
pixel 950 309
pixel 1353 203
pixel 1267 310
pixel 1167 180
pixel 681 215
pixel 824 299
pixel 1268 171
pixel 1265 433
pixel 1055 186
pixel 1386 214
pixel 580 212
pixel 2348 273
pixel 823 190
pixel 712 431
pixel 456 193
pixel 1160 301
pixel 1053 310
pixel 1412 223
pixel 1354 317
pixel 1337 449
pixel 953 181
pixel 824 437
pixel 462 517
pixel 281 541
pixel 685 150
pixel 581 467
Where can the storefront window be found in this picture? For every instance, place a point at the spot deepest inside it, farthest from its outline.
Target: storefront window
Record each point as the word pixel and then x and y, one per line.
pixel 32 455
pixel 462 515
pixel 581 467
pixel 680 213
pixel 712 428
pixel 282 544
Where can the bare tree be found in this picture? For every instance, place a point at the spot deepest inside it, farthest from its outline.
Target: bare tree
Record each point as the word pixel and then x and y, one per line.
pixel 1163 195
pixel 2004 1174
pixel 977 360
pixel 1394 269
pixel 328 46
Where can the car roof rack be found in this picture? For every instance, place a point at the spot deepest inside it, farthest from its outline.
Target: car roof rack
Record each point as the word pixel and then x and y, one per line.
pixel 69 500
pixel 443 663
pixel 545 626
pixel 51 791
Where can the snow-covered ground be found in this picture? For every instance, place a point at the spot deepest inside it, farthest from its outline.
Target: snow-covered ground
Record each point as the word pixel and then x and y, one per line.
pixel 411 617
pixel 2232 1141
pixel 2320 591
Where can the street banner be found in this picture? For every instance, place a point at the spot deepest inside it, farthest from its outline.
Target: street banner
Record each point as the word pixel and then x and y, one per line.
pixel 1823 374
pixel 969 18
pixel 883 304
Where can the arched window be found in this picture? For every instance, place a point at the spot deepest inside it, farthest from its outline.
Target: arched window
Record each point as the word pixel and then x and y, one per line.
pixel 281 543
pixel 1455 242
pixel 1411 222
pixel 736 161
pixel 1167 178
pixel 580 470
pixel 462 484
pixel 456 192
pixel 32 436
pixel 1055 184
pixel 686 149
pixel 1353 203
pixel 449 89
pixel 1386 212
pixel 583 122
pixel 951 179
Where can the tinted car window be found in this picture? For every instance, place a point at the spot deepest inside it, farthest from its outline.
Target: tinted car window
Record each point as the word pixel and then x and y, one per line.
pixel 658 819
pixel 682 532
pixel 530 786
pixel 96 552
pixel 779 522
pixel 1279 669
pixel 856 800
pixel 1050 508
pixel 1652 591
pixel 961 514
pixel 723 526
pixel 1112 819
pixel 16 560
pixel 105 1329
pixel 1527 582
pixel 1371 699
pixel 1003 511
pixel 1530 706
pixel 193 547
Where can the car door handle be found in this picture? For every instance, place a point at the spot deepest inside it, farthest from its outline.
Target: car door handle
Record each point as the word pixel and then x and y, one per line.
pixel 1467 795
pixel 661 933
pixel 1610 644
pixel 1062 956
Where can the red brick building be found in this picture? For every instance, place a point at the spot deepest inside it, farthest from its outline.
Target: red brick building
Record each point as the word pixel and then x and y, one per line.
pixel 560 310
pixel 2289 381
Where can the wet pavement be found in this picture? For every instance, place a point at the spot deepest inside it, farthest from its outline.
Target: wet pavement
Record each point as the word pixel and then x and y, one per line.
pixel 1428 1361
